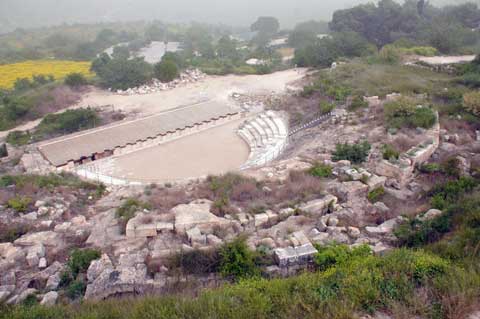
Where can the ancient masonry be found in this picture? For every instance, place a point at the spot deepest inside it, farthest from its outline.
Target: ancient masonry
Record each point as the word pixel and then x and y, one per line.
pixel 126 137
pixel 266 136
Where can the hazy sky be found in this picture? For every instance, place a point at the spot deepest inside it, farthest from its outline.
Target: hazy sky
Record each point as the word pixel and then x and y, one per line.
pixel 32 13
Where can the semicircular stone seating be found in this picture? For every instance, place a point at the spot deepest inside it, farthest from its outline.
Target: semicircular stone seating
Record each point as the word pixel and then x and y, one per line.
pixel 267 137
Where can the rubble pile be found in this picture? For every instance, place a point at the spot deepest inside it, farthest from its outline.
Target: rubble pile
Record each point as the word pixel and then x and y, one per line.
pixel 188 76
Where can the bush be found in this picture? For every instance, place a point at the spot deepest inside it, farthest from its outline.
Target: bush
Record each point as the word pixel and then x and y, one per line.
pixel 11 232
pixel 237 261
pixel 358 103
pixel 355 153
pixel 321 170
pixel 67 122
pixel 389 152
pixel 75 80
pixel 471 102
pixel 19 203
pixel 375 195
pixel 326 107
pixel 450 192
pixel 80 260
pixel 451 167
pixel 166 71
pixel 18 138
pixel 389 54
pixel 335 254
pixel 405 113
pixel 430 168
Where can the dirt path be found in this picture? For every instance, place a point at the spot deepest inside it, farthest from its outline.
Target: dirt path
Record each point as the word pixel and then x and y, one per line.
pixel 211 88
pixel 217 88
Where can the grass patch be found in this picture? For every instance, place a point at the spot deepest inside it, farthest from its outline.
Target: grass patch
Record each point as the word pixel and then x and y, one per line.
pixel 355 153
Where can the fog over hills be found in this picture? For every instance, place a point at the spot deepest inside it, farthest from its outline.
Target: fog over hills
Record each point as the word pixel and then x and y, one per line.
pixel 35 13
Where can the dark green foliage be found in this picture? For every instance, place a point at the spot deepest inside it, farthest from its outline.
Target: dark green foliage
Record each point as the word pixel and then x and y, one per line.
pixel 3 150
pixel 237 261
pixel 166 71
pixel 321 170
pixel 389 152
pixel 415 233
pixel 355 153
pixel 18 138
pixel 446 194
pixel 323 52
pixel 67 122
pixel 405 113
pixel 119 73
pixel 75 80
pixel 80 260
pixel 335 254
pixel 266 25
pixel 376 194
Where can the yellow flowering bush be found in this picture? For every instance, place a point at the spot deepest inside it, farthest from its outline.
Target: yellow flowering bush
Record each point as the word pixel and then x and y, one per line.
pixel 9 73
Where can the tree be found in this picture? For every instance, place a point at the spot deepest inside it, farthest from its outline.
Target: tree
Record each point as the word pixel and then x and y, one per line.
pixel 227 48
pixel 166 70
pixel 266 25
pixel 317 27
pixel 156 32
pixel 75 80
pixel 120 74
pixel 121 52
pixel 301 38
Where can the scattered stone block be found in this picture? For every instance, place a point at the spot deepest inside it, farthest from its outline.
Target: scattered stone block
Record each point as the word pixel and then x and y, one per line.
pixel 49 299
pixel 319 206
pixel 260 219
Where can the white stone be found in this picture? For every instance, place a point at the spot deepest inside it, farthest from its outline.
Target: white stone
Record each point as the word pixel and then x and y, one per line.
pixel 42 263
pixel 50 298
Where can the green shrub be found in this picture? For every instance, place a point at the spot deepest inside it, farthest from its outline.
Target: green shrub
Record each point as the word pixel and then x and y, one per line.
pixel 307 91
pixel 405 113
pixel 237 261
pixel 18 138
pixel 450 192
pixel 19 203
pixel 326 107
pixel 417 233
pixel 358 103
pixel 389 152
pixel 334 254
pixel 67 122
pixel 423 117
pixel 430 168
pixel 80 260
pixel 321 170
pixel 75 80
pixel 355 153
pixel 389 54
pixel 166 71
pixel 375 195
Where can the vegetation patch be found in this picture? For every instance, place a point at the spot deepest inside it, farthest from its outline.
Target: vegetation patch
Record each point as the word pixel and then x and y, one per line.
pixel 376 194
pixel 405 112
pixel 355 153
pixel 321 170
pixel 26 70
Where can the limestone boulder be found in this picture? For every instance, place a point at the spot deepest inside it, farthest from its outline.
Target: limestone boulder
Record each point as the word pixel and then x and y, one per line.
pixel 197 214
pixel 49 299
pixel 319 207
pixel 98 266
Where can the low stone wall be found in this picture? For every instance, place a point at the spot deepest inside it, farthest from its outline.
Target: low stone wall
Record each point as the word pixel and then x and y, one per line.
pixel 402 170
